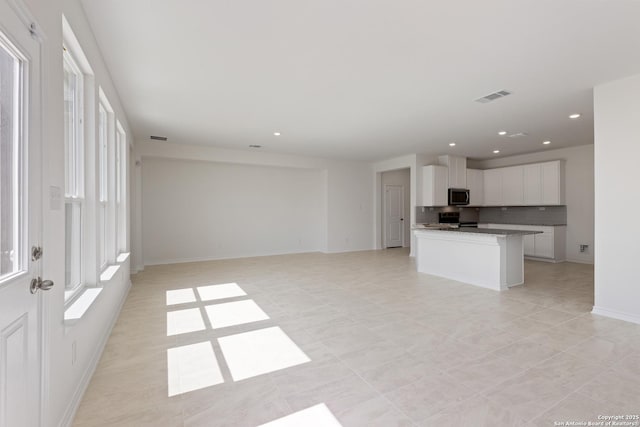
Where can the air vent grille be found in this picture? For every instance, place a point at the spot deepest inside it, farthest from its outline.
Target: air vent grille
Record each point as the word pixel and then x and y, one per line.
pixel 493 96
pixel 518 135
pixel 158 138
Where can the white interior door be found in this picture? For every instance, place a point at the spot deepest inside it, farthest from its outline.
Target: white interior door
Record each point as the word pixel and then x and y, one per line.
pixel 394 216
pixel 20 222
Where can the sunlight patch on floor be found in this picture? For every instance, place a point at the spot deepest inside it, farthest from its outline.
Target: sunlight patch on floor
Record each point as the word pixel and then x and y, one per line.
pixel 184 321
pixel 192 367
pixel 259 352
pixel 180 296
pixel 315 416
pixel 234 313
pixel 214 292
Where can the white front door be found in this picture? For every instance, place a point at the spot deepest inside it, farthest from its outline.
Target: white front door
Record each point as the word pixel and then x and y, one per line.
pixel 393 216
pixel 20 222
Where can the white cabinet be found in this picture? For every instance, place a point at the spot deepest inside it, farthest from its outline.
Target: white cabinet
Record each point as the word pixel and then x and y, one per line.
pixel 457 170
pixel 552 183
pixel 550 244
pixel 529 185
pixel 475 184
pixel 512 186
pixel 434 186
pixel 493 187
pixel 543 184
pixel 533 184
pixel 529 244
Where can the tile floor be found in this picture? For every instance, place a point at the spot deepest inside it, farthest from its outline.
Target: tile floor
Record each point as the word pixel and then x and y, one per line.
pixel 365 335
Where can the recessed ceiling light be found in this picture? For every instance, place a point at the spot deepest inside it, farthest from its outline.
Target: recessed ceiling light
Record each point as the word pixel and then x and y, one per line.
pixel 496 151
pixel 546 142
pixel 502 132
pixel 574 116
pixel 276 134
pixel 255 146
pixel 452 144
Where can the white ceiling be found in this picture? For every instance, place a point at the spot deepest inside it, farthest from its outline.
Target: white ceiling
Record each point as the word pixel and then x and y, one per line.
pixel 365 79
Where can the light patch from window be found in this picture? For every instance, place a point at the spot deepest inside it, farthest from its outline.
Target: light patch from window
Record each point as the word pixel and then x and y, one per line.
pixel 123 257
pixel 184 321
pixel 214 292
pixel 259 352
pixel 315 416
pixel 180 296
pixel 234 313
pixel 192 367
pixel 109 272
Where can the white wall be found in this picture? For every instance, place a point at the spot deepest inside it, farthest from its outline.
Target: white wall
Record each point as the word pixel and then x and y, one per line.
pixel 64 381
pixel 194 210
pixel 343 198
pixel 399 177
pixel 617 149
pixel 579 184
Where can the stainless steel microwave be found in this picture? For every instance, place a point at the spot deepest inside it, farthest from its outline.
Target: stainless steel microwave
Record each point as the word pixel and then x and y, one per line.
pixel 458 196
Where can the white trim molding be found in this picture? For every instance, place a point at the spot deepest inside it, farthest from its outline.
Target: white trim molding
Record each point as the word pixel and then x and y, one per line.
pixel 615 314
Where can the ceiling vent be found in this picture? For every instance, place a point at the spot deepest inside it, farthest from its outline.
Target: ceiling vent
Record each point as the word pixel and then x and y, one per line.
pixel 493 96
pixel 158 138
pixel 518 135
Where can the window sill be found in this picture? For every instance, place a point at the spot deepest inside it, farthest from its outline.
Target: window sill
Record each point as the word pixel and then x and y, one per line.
pixel 108 273
pixel 122 257
pixel 79 307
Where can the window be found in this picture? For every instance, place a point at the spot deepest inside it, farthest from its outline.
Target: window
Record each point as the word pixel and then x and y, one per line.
pixel 74 172
pixel 11 195
pixel 103 185
pixel 121 191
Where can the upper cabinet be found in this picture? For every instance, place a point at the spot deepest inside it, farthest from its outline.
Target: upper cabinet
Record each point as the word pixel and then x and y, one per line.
pixel 493 187
pixel 512 186
pixel 528 185
pixel 457 170
pixel 434 186
pixel 543 183
pixel 475 184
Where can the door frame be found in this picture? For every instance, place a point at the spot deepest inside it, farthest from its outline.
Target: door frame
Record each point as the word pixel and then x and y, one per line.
pixel 384 214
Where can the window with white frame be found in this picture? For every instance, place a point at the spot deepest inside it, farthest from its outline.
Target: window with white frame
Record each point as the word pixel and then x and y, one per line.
pixel 121 169
pixel 74 172
pixel 103 185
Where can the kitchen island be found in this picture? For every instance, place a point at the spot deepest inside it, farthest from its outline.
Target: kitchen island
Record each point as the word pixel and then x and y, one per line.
pixel 490 258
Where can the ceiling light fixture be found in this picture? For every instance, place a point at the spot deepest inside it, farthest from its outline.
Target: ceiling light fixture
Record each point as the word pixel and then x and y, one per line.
pixel 502 132
pixel 276 134
pixel 546 142
pixel 452 144
pixel 496 151
pixel 574 116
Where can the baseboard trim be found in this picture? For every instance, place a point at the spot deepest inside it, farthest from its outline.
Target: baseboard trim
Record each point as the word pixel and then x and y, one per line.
pixel 580 261
pixel 615 314
pixel 203 259
pixel 74 404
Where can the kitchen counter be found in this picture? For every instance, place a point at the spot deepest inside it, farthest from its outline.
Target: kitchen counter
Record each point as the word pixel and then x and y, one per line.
pixel 490 258
pixel 474 230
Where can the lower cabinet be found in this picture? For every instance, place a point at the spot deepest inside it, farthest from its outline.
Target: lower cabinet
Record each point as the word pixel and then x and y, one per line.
pixel 548 245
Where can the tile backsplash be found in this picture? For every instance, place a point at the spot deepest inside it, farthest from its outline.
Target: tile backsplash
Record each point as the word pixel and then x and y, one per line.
pixel 533 215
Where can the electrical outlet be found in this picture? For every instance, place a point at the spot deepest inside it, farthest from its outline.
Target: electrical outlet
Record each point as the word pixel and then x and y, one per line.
pixel 73 353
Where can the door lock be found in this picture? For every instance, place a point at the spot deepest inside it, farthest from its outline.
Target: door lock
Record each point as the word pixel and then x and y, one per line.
pixel 36 253
pixel 38 283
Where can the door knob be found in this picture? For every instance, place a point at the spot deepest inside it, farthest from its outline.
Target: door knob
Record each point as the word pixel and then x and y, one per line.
pixel 38 283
